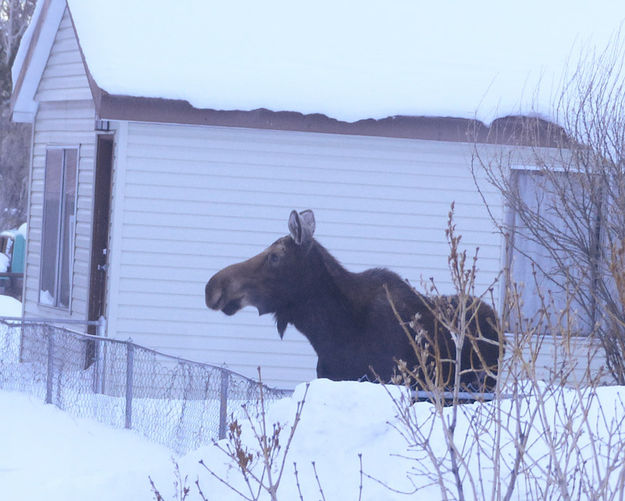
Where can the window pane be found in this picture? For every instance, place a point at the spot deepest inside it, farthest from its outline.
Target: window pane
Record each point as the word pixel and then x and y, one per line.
pixel 67 227
pixel 58 227
pixel 51 222
pixel 539 265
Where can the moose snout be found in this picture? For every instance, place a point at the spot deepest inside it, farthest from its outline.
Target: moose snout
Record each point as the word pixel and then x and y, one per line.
pixel 228 290
pixel 213 292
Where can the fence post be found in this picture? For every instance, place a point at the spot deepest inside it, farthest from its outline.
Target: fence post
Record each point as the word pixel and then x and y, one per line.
pixel 101 328
pixel 130 360
pixel 98 386
pixel 223 403
pixel 50 368
pixel 99 354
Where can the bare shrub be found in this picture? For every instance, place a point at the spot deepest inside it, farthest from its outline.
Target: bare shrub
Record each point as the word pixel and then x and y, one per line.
pixel 549 432
pixel 440 453
pixel 569 223
pixel 181 486
pixel 261 467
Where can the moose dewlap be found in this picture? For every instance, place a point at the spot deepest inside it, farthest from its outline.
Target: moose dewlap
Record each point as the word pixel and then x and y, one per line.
pixel 351 319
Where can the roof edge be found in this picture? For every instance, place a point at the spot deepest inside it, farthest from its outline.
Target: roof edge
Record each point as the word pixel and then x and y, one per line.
pixel 144 109
pixel 23 107
pixel 96 92
pixel 512 130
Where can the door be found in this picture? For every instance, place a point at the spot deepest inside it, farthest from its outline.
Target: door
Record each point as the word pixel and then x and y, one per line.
pixel 101 219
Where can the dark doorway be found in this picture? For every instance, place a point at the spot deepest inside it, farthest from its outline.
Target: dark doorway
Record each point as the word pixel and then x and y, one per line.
pixel 99 244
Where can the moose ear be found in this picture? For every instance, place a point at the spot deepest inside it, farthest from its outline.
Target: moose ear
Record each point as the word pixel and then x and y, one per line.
pixel 302 226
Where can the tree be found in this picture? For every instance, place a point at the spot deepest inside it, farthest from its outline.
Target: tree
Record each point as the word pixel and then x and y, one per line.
pixel 14 18
pixel 14 138
pixel 568 222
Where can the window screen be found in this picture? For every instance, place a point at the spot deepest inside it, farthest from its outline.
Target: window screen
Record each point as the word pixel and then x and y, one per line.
pixel 59 219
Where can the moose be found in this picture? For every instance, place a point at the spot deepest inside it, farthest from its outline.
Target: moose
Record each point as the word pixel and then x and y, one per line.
pixel 361 325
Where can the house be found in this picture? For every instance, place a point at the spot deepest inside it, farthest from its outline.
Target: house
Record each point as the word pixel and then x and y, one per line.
pixel 171 141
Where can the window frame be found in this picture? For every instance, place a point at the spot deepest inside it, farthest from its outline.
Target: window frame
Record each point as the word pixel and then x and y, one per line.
pixel 510 221
pixel 59 227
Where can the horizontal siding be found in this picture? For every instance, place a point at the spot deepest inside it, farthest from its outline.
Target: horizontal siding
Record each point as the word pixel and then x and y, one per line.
pixel 64 77
pixel 196 199
pixel 65 117
pixel 555 357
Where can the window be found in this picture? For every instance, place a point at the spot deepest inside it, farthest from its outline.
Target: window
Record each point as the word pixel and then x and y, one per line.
pixel 552 251
pixel 59 220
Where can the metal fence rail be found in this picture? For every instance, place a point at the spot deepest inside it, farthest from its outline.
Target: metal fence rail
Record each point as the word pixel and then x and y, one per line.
pixel 176 402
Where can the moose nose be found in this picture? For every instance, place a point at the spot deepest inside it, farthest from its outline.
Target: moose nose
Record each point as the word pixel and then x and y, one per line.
pixel 213 293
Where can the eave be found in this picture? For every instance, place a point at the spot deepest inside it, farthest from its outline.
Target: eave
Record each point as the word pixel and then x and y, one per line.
pixel 23 103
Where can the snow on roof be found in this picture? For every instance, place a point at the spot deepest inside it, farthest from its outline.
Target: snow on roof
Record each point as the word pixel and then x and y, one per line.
pixel 348 60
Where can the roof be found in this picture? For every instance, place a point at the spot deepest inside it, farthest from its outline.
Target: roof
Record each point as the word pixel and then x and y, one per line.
pixel 328 61
pixel 32 56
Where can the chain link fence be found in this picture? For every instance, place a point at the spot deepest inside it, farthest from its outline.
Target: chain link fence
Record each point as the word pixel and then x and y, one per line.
pixel 178 403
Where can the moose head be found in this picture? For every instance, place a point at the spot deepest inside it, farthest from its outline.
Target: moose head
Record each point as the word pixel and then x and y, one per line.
pixel 265 281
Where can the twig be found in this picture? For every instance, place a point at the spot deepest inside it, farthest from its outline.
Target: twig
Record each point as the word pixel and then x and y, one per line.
pixel 299 489
pixel 360 484
pixel 318 481
pixel 224 482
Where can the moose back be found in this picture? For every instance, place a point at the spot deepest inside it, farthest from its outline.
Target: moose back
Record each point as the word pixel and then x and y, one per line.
pixel 348 318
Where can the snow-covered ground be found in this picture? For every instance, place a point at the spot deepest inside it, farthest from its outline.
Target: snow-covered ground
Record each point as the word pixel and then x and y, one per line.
pixel 10 307
pixel 48 454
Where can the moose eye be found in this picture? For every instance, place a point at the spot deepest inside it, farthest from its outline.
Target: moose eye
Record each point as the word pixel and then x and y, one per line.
pixel 273 258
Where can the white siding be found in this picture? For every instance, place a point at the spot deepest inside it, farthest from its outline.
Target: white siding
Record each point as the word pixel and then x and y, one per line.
pixel 65 117
pixel 561 360
pixel 64 78
pixel 199 198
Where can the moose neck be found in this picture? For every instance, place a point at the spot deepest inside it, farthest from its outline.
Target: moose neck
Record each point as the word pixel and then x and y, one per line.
pixel 325 312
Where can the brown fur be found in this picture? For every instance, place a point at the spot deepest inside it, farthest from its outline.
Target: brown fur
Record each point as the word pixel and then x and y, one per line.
pixel 347 316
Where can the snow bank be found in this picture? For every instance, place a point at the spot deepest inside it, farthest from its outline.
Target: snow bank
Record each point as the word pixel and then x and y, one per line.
pixel 343 420
pixel 339 422
pixel 349 60
pixel 47 454
pixel 9 306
